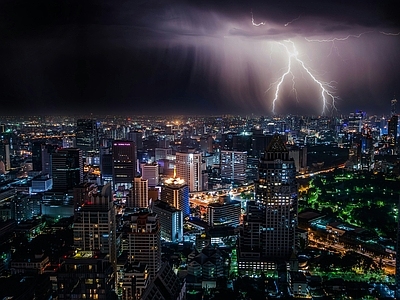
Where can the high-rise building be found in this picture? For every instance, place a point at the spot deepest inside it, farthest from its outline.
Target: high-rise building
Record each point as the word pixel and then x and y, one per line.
pixel 189 168
pixel 151 173
pixel 175 192
pixel 67 169
pixel 171 221
pixel 267 238
pixel 124 163
pixel 86 135
pixel 138 196
pixel 37 152
pixel 143 240
pixel 233 166
pixel 137 138
pixel 5 154
pixel 94 225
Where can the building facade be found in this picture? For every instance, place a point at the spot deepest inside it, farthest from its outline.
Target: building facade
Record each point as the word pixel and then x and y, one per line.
pixel 143 240
pixel 267 238
pixel 175 192
pixel 124 163
pixel 171 221
pixel 189 168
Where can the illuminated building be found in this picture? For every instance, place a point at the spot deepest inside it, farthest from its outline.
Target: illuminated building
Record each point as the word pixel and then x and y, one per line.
pixel 94 224
pixel 175 192
pixel 124 163
pixel 233 166
pixel 189 168
pixel 392 128
pixel 171 221
pixel 150 172
pixel 5 154
pixel 67 169
pixel 207 264
pixel 267 239
pixel 143 240
pixel 138 196
pixel 86 136
pixel 226 212
pixel 134 281
pixel 86 275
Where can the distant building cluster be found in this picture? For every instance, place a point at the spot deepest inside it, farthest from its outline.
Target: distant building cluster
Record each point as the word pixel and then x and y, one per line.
pixel 134 193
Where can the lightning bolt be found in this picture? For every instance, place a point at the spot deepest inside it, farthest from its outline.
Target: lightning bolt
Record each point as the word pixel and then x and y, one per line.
pixel 293 56
pixel 290 22
pixel 254 23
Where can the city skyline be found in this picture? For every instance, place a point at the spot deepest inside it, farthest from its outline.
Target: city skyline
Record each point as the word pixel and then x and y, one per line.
pixel 190 57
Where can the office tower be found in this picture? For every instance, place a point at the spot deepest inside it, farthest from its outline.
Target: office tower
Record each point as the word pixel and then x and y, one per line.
pixel 138 196
pixel 5 154
pixel 67 169
pixel 106 165
pixel 94 225
pixel 392 128
pixel 86 135
pixel 267 238
pixel 233 166
pixel 189 168
pixel 37 151
pixel 171 221
pixel 46 158
pixel 175 192
pixel 137 138
pixel 124 163
pixel 144 240
pixel 150 172
pixel 225 212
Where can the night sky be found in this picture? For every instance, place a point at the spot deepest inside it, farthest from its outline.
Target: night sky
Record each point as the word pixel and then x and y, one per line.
pixel 198 57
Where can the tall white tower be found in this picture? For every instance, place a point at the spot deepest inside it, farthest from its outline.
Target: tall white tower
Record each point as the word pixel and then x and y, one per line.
pixel 189 167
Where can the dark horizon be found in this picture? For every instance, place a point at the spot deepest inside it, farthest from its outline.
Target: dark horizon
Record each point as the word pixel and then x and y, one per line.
pixel 197 58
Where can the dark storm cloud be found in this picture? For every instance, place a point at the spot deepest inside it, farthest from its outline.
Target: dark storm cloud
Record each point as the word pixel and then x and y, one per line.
pixel 194 56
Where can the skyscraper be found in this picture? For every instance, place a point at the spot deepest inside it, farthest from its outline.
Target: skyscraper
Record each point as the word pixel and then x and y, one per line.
pixel 150 172
pixel 143 240
pixel 138 196
pixel 267 238
pixel 94 225
pixel 175 192
pixel 86 136
pixel 171 221
pixel 67 169
pixel 189 168
pixel 37 152
pixel 124 163
pixel 233 166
